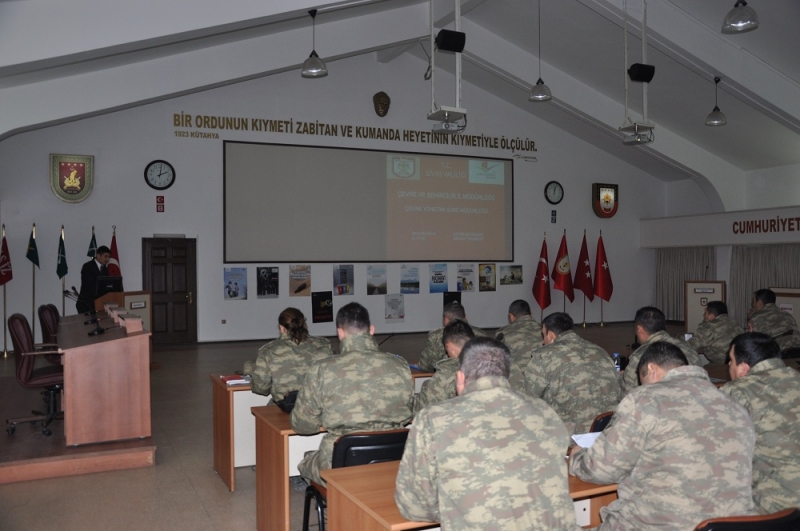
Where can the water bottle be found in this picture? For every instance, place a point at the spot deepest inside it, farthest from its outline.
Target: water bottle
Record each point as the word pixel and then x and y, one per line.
pixel 616 361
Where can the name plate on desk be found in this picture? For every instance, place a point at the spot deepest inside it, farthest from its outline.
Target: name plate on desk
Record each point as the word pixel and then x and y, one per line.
pixel 130 322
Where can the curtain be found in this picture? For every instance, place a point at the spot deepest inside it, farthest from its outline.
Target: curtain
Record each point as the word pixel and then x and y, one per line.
pixel 676 265
pixel 760 266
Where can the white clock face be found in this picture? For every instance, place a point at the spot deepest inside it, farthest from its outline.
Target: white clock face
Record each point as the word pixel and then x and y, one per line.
pixel 554 192
pixel 159 174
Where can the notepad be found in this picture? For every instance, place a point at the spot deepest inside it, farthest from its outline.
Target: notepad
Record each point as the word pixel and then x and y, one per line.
pixel 586 440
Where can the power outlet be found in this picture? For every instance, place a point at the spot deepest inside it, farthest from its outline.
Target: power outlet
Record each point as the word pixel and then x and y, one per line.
pixel 582 509
pixel 224 321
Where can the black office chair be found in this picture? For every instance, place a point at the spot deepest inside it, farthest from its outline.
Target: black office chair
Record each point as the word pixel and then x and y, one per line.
pixel 601 421
pixel 362 448
pixel 785 520
pixel 50 377
pixel 48 319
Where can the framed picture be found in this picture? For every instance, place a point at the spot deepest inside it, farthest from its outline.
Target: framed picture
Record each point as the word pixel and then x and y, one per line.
pixel 71 177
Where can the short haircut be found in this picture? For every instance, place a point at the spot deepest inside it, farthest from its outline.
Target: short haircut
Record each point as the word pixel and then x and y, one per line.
pixel 651 319
pixel 454 310
pixel 665 355
pixel 558 323
pixel 102 250
pixel 754 347
pixel 457 332
pixel 484 356
pixel 353 318
pixel 519 307
pixel 766 296
pixel 717 308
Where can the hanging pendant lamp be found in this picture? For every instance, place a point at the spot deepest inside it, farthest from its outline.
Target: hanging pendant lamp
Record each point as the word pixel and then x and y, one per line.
pixel 715 117
pixel 314 66
pixel 540 92
pixel 740 19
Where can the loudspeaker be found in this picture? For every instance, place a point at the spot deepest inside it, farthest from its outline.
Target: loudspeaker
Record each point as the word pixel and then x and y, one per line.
pixel 451 41
pixel 641 72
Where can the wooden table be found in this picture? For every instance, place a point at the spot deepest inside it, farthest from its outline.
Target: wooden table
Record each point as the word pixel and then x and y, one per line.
pixel 362 497
pixel 419 377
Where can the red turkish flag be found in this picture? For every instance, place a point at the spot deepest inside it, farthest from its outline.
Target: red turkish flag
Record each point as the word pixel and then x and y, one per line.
pixel 562 275
pixel 113 264
pixel 603 287
pixel 541 284
pixel 583 273
pixel 5 264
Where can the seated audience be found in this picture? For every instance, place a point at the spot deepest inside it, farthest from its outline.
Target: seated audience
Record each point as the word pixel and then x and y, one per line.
pixel 361 389
pixel 577 378
pixel 715 333
pixel 281 364
pixel 767 318
pixel 522 335
pixel 434 350
pixel 680 450
pixel 770 391
pixel 491 458
pixel 651 326
pixel 442 385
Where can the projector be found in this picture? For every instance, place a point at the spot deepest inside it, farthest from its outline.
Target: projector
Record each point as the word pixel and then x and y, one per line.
pixel 446 127
pixel 637 133
pixel 447 114
pixel 637 139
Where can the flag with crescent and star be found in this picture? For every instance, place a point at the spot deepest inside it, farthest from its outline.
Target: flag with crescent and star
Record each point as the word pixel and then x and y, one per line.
pixel 541 284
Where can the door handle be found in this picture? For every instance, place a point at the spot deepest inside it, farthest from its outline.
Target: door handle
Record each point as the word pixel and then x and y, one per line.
pixel 189 296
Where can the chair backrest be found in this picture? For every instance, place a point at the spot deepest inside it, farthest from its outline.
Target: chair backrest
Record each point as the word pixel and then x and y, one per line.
pixel 22 339
pixel 785 520
pixel 366 448
pixel 48 319
pixel 601 421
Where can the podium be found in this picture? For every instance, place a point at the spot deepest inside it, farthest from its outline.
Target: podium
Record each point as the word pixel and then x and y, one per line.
pixel 135 302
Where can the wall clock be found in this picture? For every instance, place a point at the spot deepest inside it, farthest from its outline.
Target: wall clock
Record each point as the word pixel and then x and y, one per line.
pixel 553 192
pixel 159 175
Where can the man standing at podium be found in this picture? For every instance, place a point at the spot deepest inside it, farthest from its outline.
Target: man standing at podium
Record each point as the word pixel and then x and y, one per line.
pixel 90 271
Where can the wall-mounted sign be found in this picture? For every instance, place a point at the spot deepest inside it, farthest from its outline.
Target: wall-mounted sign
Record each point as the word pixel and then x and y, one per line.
pixel 605 199
pixel 71 177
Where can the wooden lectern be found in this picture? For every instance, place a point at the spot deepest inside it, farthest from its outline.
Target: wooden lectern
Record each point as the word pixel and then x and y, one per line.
pixel 135 302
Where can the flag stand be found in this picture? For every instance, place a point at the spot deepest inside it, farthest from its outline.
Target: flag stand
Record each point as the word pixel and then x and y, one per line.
pixel 601 313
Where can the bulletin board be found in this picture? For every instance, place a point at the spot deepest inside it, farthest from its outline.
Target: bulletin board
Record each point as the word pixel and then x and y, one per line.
pixel 697 295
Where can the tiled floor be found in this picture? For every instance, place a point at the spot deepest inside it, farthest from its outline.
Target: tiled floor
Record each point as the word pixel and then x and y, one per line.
pixel 182 492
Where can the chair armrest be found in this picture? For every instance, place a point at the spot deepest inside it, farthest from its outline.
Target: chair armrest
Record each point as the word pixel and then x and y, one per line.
pixel 42 352
pixel 48 346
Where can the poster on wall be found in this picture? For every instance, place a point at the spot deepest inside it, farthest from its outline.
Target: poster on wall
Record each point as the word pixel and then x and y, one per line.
pixel 322 307
pixel 395 308
pixel 466 277
pixel 438 274
pixel 510 275
pixel 300 280
pixel 409 278
pixel 267 282
pixel 487 277
pixel 343 279
pixel 235 282
pixel 376 279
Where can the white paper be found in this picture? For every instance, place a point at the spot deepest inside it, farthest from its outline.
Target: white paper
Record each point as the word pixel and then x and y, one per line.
pixel 586 440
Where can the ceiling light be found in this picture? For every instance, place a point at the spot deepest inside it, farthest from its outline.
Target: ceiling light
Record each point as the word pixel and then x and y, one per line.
pixel 740 19
pixel 314 66
pixel 540 92
pixel 715 117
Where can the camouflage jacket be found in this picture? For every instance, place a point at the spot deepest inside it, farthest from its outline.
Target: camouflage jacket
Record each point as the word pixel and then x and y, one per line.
pixel 521 337
pixel 771 393
pixel 361 389
pixel 491 458
pixel 714 337
pixel 440 387
pixel 434 349
pixel 576 377
pixel 681 452
pixel 281 364
pixel 774 322
pixel 630 379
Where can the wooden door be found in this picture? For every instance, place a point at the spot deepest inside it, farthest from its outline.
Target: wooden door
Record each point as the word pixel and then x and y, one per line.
pixel 169 272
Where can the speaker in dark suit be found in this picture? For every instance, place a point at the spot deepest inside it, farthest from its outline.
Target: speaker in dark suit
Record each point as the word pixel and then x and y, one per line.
pixel 90 271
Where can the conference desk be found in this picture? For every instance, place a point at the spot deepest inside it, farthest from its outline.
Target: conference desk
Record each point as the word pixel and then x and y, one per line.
pixel 362 497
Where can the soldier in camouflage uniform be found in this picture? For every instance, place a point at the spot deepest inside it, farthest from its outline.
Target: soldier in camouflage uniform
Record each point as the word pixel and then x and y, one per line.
pixel 575 377
pixel 491 458
pixel 770 391
pixel 281 364
pixel 680 450
pixel 767 318
pixel 651 326
pixel 434 350
pixel 715 333
pixel 522 335
pixel 361 389
pixel 442 386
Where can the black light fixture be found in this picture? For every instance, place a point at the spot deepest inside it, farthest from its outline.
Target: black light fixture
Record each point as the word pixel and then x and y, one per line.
pixel 540 92
pixel 740 19
pixel 715 117
pixel 314 66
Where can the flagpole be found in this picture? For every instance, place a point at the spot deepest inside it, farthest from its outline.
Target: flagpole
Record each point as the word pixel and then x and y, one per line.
pixel 63 280
pixel 601 313
pixel 584 311
pixel 5 319
pixel 33 290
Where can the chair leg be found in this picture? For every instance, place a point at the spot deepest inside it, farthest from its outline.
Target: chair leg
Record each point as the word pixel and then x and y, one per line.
pixel 51 399
pixel 311 492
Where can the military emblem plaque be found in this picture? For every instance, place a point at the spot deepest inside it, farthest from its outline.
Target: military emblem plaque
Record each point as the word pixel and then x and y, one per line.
pixel 71 177
pixel 605 199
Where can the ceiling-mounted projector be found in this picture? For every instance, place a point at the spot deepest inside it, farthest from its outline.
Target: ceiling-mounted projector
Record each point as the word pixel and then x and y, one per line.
pixel 638 133
pixel 446 127
pixel 447 118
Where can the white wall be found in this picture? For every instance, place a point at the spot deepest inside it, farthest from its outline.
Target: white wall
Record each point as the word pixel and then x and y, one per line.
pixel 773 187
pixel 124 142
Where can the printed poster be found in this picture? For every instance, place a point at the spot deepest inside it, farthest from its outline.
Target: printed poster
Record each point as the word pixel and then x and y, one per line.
pixel 322 307
pixel 235 282
pixel 510 275
pixel 343 279
pixel 438 278
pixel 409 278
pixel 267 282
pixel 376 279
pixel 395 308
pixel 487 277
pixel 300 280
pixel 466 277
